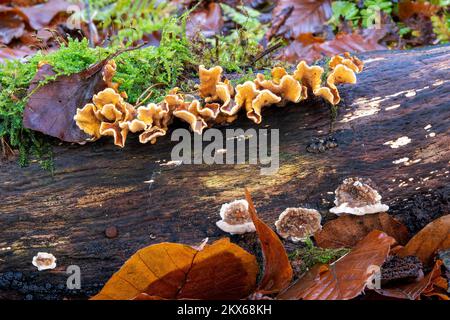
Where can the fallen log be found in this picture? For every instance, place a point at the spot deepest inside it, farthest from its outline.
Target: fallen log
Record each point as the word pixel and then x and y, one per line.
pixel 392 127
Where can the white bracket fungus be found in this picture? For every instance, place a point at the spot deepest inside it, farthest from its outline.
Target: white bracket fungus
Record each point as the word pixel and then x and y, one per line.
pixel 354 196
pixel 298 224
pixel 236 218
pixel 44 261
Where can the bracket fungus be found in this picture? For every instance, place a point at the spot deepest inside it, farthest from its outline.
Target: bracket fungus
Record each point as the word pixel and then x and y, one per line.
pixel 44 261
pixel 216 102
pixel 253 100
pixel 356 196
pixel 104 116
pixel 298 224
pixel 347 60
pixel 235 218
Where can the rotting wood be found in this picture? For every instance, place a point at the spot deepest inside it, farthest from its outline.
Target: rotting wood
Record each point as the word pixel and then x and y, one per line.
pixel 97 186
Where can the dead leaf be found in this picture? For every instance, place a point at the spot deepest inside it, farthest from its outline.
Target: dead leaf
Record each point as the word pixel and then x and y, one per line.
pixel 208 21
pixel 14 53
pixel 413 290
pixel 50 108
pixel 434 236
pixel 354 42
pixel 277 268
pixel 11 27
pixel 40 15
pixel 346 231
pixel 308 16
pixel 222 270
pixel 407 8
pixel 346 278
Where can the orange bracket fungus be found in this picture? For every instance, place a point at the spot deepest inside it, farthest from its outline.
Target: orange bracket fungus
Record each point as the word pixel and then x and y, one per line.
pixel 216 101
pixel 235 218
pixel 355 196
pixel 298 224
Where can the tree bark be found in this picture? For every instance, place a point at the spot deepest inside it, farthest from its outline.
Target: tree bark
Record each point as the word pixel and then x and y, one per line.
pixel 95 186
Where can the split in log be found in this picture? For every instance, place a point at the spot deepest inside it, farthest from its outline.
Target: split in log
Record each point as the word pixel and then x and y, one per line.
pixel 96 186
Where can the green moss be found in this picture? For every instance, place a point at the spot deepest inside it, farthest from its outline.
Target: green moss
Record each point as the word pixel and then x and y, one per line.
pixel 311 255
pixel 155 69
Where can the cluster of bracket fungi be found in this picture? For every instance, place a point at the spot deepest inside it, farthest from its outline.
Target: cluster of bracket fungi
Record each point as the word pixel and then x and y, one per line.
pixel 218 102
pixel 355 196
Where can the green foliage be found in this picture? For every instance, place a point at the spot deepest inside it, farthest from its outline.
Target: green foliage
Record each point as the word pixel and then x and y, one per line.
pixel 159 66
pixel 367 16
pixel 236 49
pixel 311 255
pixel 441 27
pixel 131 19
pixel 137 70
pixel 15 77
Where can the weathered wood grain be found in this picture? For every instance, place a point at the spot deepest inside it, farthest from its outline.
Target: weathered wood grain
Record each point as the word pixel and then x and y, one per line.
pixel 98 185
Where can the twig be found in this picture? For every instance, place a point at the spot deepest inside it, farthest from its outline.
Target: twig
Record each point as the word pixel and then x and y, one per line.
pixel 139 102
pixel 89 21
pixel 6 148
pixel 285 14
pixel 265 53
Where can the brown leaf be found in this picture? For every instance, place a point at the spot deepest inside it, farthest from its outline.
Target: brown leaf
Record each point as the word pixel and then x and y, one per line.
pixel 209 21
pixel 346 278
pixel 40 15
pixel 50 108
pixel 407 8
pixel 413 290
pixel 435 236
pixel 222 270
pixel 11 26
pixel 354 42
pixel 308 16
pixel 277 268
pixel 14 53
pixel 346 231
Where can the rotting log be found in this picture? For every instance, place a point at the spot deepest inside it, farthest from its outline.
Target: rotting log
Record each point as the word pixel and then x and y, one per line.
pixel 95 186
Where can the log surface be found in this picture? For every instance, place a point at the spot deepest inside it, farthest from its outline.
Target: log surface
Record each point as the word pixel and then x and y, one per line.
pixel 95 186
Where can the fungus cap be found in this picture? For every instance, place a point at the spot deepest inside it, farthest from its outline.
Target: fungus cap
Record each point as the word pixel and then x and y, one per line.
pixel 44 261
pixel 235 218
pixel 355 196
pixel 209 78
pixel 298 224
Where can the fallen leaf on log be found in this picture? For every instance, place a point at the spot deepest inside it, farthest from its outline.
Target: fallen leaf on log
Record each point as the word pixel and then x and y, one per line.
pixel 346 278
pixel 277 268
pixel 424 245
pixel 413 290
pixel 346 231
pixel 222 270
pixel 307 16
pixel 50 108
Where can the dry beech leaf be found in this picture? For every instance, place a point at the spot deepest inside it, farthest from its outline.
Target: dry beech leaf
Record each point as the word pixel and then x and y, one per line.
pixel 434 236
pixel 50 108
pixel 346 231
pixel 209 21
pixel 221 270
pixel 277 268
pixel 40 15
pixel 413 290
pixel 408 8
pixel 346 278
pixel 307 16
pixel 354 42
